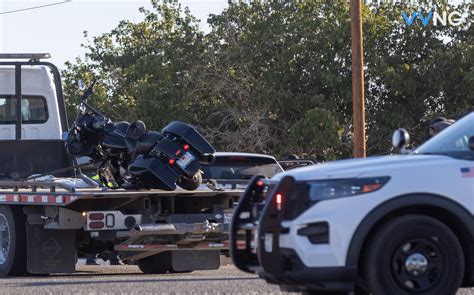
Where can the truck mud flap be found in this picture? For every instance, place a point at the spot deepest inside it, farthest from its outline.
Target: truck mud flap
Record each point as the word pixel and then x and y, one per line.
pixel 50 251
pixel 270 228
pixel 195 260
pixel 244 225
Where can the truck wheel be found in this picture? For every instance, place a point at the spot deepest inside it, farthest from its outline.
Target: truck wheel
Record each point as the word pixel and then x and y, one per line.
pixel 190 184
pixel 12 241
pixel 413 254
pixel 156 264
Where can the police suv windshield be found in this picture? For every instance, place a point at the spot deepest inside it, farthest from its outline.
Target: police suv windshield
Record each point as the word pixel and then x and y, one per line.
pixel 453 141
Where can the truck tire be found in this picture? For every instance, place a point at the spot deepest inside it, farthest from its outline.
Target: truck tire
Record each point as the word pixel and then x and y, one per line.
pixel 156 264
pixel 413 254
pixel 12 241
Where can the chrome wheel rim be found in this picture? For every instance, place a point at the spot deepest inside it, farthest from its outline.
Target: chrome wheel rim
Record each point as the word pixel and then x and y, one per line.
pixel 4 239
pixel 418 264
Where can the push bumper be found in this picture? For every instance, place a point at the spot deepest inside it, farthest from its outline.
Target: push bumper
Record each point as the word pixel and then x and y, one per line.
pixel 254 242
pixel 302 277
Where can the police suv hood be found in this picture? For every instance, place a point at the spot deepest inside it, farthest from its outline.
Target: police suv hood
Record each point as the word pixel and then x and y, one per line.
pixel 353 168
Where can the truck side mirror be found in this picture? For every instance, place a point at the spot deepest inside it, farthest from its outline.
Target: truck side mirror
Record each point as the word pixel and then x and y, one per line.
pixel 471 143
pixel 400 138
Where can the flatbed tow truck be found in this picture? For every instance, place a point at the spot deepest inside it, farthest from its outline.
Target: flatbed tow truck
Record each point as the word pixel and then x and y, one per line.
pixel 51 214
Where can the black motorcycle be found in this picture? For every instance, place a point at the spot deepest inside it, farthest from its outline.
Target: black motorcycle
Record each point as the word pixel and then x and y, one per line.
pixel 171 157
pixel 131 157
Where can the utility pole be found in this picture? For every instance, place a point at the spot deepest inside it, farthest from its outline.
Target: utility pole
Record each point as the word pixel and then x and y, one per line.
pixel 358 79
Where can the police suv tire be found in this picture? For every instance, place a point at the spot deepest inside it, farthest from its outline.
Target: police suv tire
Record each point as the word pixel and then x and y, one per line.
pixel 388 272
pixel 14 263
pixel 156 264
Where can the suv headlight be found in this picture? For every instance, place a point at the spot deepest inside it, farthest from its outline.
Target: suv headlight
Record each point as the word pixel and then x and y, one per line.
pixel 339 188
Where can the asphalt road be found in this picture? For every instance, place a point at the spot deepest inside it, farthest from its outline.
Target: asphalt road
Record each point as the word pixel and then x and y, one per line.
pixel 129 280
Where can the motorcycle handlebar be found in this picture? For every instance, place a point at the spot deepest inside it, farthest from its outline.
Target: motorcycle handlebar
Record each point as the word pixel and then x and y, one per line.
pixel 89 91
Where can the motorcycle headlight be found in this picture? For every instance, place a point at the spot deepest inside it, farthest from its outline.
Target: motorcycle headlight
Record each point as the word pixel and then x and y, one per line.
pixel 339 188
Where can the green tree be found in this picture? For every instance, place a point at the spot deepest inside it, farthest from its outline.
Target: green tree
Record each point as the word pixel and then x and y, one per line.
pixel 275 76
pixel 143 66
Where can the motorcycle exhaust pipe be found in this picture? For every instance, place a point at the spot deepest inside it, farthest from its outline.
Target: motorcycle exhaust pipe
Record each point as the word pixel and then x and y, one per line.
pixel 207 159
pixel 154 229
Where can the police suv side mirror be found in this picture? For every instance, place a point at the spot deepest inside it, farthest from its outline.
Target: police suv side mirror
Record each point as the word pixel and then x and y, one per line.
pixel 400 138
pixel 471 143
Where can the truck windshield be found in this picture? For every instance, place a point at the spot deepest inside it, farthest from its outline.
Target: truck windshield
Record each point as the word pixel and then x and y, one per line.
pixel 453 141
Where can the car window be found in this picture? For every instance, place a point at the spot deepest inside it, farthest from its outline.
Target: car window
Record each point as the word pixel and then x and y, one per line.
pixel 33 109
pixel 241 168
pixel 453 141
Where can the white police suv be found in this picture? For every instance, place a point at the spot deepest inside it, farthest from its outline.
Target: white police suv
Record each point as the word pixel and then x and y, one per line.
pixel 398 224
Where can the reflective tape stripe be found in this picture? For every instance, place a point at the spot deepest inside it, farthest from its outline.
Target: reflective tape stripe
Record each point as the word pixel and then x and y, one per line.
pixel 37 199
pixel 224 245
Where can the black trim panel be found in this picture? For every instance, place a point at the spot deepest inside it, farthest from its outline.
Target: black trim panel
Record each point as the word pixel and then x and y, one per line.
pixel 27 157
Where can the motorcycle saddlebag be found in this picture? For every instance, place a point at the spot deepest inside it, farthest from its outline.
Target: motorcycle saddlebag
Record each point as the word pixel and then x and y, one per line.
pixel 190 135
pixel 153 173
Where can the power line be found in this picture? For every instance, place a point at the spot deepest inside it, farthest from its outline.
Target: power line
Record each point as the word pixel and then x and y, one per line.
pixel 35 7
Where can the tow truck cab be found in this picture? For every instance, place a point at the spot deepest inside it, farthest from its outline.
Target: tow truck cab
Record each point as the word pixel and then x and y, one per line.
pixel 400 224
pixel 32 116
pixel 47 222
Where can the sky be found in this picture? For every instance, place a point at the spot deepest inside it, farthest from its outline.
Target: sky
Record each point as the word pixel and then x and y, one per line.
pixel 59 29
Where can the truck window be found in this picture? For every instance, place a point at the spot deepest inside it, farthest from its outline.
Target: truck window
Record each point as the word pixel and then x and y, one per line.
pixel 34 109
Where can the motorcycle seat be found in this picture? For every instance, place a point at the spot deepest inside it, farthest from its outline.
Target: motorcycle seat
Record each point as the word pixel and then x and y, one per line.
pixel 145 144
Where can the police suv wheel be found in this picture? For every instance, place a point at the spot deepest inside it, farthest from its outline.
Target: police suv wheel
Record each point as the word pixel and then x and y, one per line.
pixel 414 254
pixel 12 241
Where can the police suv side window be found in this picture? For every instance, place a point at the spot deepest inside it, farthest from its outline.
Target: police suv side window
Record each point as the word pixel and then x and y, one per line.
pixel 34 109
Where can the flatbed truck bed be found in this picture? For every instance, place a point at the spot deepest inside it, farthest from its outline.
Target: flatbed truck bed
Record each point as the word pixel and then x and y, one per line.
pixel 12 192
